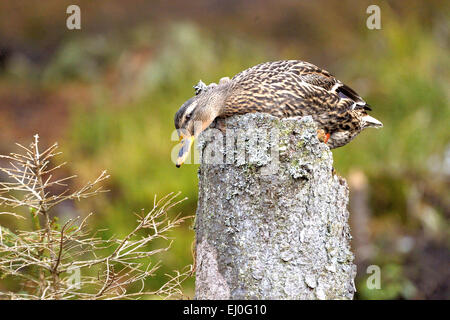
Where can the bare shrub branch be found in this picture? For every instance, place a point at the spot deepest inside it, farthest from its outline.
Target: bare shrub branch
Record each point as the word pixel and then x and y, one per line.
pixel 70 261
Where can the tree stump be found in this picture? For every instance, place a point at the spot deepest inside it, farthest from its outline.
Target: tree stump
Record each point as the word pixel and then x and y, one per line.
pixel 272 218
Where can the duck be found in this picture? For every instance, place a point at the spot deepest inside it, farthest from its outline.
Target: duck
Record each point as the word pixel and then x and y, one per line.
pixel 285 89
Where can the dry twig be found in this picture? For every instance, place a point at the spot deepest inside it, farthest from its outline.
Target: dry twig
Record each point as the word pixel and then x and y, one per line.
pixel 54 262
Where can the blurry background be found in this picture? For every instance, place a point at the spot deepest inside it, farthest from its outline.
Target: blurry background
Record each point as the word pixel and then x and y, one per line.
pixel 108 93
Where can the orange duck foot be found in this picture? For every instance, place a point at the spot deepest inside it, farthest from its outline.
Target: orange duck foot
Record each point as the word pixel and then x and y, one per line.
pixel 322 136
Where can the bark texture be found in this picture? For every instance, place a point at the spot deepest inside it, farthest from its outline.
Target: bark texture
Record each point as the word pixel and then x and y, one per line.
pixel 272 218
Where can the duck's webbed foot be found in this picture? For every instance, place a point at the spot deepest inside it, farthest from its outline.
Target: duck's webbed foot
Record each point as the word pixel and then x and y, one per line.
pixel 200 87
pixel 323 136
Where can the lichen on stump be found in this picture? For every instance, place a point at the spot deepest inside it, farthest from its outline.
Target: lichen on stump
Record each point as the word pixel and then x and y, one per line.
pixel 272 218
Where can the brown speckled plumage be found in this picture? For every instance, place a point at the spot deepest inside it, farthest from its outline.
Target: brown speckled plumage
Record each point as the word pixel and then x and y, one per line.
pixel 286 88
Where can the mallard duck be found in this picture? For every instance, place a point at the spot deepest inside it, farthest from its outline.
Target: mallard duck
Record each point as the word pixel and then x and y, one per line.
pixel 287 88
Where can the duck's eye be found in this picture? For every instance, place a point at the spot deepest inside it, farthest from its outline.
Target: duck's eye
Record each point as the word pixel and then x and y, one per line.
pixel 188 117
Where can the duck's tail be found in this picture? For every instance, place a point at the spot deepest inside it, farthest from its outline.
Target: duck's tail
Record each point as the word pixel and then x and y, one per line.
pixel 370 122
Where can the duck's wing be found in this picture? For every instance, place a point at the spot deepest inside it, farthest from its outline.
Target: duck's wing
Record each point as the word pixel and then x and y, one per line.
pixel 290 88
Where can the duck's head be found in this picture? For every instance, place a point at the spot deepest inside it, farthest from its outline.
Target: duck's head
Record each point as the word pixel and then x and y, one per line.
pixel 196 114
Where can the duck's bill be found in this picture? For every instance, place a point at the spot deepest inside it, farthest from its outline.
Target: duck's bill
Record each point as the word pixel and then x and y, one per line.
pixel 186 145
